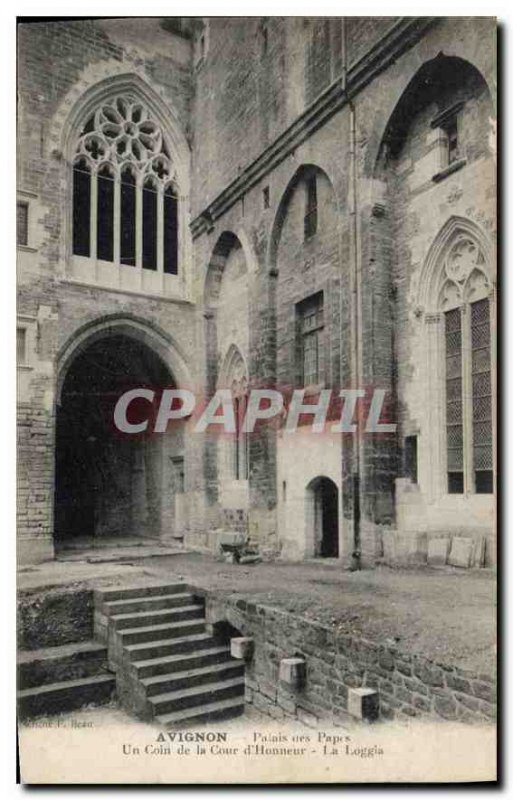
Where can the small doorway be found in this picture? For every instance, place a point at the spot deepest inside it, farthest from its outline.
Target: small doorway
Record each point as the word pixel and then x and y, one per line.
pixel 323 517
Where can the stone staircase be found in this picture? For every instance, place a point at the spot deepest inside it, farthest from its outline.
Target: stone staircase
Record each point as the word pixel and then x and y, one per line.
pixel 168 667
pixel 63 678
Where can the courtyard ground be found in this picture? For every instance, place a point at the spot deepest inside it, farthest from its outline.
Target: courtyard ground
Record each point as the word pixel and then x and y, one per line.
pixel 445 614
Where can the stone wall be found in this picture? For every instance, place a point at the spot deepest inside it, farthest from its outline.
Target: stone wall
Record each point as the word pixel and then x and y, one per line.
pixel 58 64
pixel 408 685
pixel 243 110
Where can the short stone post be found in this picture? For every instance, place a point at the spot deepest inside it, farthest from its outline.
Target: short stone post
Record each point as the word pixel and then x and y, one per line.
pixel 242 647
pixel 292 673
pixel 363 704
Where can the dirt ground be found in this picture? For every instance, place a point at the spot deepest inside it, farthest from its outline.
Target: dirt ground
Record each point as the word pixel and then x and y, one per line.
pixel 446 614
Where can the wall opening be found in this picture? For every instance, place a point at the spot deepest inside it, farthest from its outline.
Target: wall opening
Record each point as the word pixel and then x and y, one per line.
pixel 323 518
pixel 110 484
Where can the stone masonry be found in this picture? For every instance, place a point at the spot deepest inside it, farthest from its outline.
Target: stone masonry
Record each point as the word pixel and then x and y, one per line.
pixel 252 111
pixel 408 685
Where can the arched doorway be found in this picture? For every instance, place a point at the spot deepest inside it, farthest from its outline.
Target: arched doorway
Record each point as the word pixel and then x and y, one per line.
pixel 109 484
pixel 322 518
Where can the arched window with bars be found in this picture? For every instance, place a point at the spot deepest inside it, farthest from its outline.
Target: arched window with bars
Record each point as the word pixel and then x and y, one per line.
pixel 125 194
pixel 464 300
pixel 457 295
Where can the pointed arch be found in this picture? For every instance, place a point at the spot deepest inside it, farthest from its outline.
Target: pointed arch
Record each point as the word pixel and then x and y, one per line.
pixel 161 343
pixel 429 82
pixel 233 367
pixel 225 244
pixel 301 173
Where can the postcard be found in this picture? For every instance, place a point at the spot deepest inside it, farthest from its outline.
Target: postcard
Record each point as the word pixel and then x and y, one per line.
pixel 257 400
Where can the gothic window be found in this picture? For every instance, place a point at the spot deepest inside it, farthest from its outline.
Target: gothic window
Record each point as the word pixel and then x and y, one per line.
pixel 234 376
pixel 240 445
pixel 81 207
pixel 482 441
pixel 310 324
pixel 310 221
pixel 468 373
pixel 128 219
pixel 22 223
pixel 125 199
pixel 170 232
pixel 264 37
pixel 451 133
pixel 410 458
pixel 149 215
pixel 21 346
pixel 105 215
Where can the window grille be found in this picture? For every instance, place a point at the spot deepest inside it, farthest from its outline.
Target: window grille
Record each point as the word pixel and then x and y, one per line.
pixel 310 313
pixel 481 396
pixel 454 403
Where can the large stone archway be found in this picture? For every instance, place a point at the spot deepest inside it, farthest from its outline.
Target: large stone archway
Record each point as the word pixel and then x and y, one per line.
pixel 109 484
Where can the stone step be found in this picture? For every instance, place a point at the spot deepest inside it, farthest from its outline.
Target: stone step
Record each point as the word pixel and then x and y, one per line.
pixel 143 590
pixel 152 603
pixel 211 673
pixel 177 663
pixel 197 695
pixel 53 698
pixel 142 619
pixel 221 709
pixel 155 633
pixel 61 663
pixel 167 647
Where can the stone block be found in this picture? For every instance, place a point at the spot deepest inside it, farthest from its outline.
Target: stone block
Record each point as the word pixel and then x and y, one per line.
pixel 308 719
pixel 445 706
pixel 389 548
pixel 287 701
pixel 242 647
pixel 484 690
pixel 461 552
pixel 232 538
pixel 363 703
pixel 438 550
pixel 478 552
pixel 293 672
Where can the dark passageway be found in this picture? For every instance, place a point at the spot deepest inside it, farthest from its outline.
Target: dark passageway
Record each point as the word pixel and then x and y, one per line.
pixel 107 483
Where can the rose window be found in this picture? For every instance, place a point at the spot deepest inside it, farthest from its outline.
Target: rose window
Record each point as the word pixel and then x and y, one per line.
pixel 125 199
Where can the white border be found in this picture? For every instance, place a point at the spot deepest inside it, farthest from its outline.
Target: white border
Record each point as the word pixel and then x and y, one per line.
pixel 7 318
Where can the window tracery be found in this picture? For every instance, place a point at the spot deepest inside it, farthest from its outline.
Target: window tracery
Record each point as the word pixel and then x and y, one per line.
pixel 463 273
pixel 125 198
pixel 464 299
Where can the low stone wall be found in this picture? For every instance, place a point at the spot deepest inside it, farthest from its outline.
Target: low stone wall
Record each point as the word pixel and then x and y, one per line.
pixel 51 617
pixel 408 685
